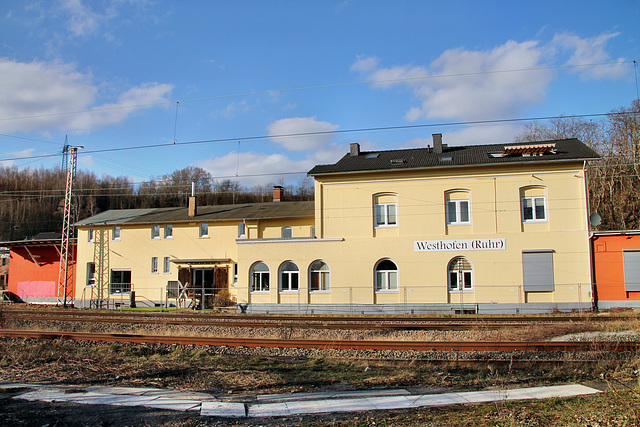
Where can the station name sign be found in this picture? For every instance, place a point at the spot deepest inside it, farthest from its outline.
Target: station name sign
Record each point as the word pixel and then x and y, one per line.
pixel 459 245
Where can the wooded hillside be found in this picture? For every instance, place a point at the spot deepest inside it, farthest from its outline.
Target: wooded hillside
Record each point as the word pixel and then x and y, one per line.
pixel 32 200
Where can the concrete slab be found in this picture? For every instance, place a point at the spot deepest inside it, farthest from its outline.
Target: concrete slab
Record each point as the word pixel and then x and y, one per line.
pixel 174 404
pixel 392 402
pixel 121 390
pixel 184 395
pixel 440 399
pixel 350 405
pixel 268 410
pixel 331 395
pixel 483 396
pixel 308 407
pixel 223 409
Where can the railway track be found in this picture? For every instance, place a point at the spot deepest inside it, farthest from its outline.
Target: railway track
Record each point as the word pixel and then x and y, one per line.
pixel 544 346
pixel 394 322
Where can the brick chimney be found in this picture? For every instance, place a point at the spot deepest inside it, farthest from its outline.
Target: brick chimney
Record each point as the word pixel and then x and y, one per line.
pixel 354 149
pixel 193 208
pixel 278 193
pixel 437 143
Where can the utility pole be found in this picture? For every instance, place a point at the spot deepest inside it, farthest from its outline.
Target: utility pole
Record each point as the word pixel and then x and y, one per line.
pixel 65 276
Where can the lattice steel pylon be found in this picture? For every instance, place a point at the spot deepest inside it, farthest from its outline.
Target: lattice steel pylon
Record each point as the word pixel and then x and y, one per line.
pixel 100 288
pixel 65 276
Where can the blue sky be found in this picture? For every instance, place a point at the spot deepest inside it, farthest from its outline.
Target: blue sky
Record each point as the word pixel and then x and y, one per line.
pixel 226 79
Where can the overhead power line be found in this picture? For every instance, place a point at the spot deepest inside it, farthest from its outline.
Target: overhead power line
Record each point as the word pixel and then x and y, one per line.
pixel 343 131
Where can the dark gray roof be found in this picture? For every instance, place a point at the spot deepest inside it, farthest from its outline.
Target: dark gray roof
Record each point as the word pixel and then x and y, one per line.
pixel 470 155
pixel 270 210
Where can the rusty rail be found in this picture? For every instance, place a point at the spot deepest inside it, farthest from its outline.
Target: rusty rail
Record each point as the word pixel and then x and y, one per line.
pixel 391 322
pixel 543 346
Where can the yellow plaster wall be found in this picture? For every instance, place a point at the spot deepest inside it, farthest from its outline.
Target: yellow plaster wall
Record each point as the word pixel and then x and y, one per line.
pixel 344 209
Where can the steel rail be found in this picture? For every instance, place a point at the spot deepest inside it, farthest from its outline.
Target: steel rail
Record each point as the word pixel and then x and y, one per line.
pixel 307 321
pixel 543 346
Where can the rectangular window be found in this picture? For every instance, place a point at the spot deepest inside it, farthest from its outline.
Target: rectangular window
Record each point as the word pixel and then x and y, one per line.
pixel 386 214
pixel 204 229
pixel 537 271
pixel 90 235
pixel 166 268
pixel 458 212
pixel 91 274
pixel 631 260
pixel 241 229
pixel 168 231
pixel 120 282
pixel 287 232
pixel 534 209
pixel 155 231
pixel 116 233
pixel 154 265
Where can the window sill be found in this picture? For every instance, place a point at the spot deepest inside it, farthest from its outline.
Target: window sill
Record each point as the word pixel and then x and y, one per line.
pixel 203 237
pixel 466 291
pixel 320 292
pixel 260 292
pixel 388 291
pixel 457 224
pixel 289 292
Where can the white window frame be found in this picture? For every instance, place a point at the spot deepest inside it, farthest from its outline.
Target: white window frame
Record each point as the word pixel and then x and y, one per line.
pixel 323 277
pixel 532 200
pixel 115 234
pixel 286 232
pixel 381 211
pixel 458 211
pixel 166 265
pixel 259 276
pixel 154 265
pixel 168 231
pixel 155 232
pixel 91 274
pixel 288 277
pixel 203 230
pixel 386 275
pixel 465 273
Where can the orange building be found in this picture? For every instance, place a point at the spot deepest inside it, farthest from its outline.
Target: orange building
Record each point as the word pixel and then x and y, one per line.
pixel 34 268
pixel 616 266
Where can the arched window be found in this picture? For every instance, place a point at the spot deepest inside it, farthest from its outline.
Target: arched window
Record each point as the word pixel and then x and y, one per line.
pixel 386 276
pixel 319 277
pixel 260 277
pixel 534 204
pixel 289 277
pixel 460 274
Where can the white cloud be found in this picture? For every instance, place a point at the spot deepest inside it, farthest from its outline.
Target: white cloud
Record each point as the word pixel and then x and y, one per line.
pixel 28 152
pixel 465 84
pixel 299 128
pixel 82 20
pixel 261 167
pixel 49 96
pixel 590 51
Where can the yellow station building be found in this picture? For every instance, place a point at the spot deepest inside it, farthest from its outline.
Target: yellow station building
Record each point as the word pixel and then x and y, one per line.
pixel 499 228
